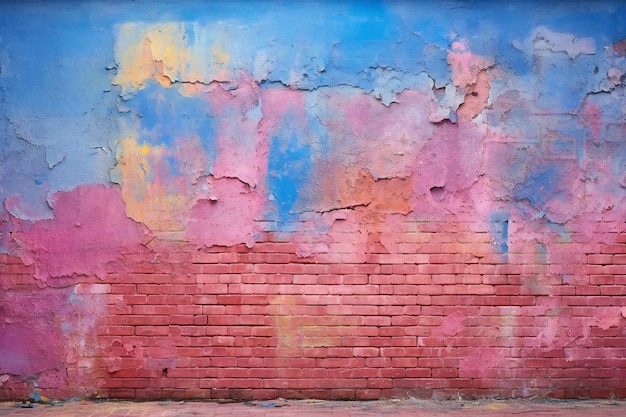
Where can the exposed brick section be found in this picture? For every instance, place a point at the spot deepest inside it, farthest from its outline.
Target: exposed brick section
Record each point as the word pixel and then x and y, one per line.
pixel 449 319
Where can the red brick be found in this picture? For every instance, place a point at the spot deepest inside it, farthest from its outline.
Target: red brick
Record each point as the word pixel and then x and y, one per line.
pixel 469 279
pixel 209 269
pixel 120 330
pixel 181 320
pixel 404 341
pixel 443 279
pixel 439 269
pixel 602 279
pixel 16 268
pixel 619 259
pixel 614 269
pixel 587 290
pixel 522 300
pixel 193 330
pixel 430 289
pixel 365 351
pixel 591 269
pixel 123 289
pixel 615 249
pixel 169 299
pixel 508 290
pixel 613 290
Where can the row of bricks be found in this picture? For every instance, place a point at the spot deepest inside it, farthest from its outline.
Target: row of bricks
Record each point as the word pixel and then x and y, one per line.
pixel 520 391
pixel 609 285
pixel 359 284
pixel 356 367
pixel 260 324
pixel 172 272
pixel 416 257
pixel 419 381
pixel 345 304
pixel 370 336
pixel 370 347
pixel 336 269
pixel 377 369
pixel 363 279
pixel 428 315
pixel 222 283
pixel 510 359
pixel 264 335
pixel 349 303
pixel 129 376
pixel 423 255
pixel 243 340
pixel 290 357
pixel 595 265
pixel 335 315
pixel 618 266
pixel 217 293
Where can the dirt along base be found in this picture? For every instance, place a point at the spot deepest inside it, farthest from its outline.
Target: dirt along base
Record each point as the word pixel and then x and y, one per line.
pixel 307 408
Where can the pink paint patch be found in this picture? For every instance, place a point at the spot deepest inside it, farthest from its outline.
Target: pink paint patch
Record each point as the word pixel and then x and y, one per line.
pixel 479 363
pixel 237 133
pixel 383 140
pixel 227 217
pixel 607 317
pixel 466 66
pixel 451 325
pixel 89 230
pixel 592 116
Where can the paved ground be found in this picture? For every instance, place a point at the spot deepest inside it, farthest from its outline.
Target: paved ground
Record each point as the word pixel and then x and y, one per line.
pixel 304 408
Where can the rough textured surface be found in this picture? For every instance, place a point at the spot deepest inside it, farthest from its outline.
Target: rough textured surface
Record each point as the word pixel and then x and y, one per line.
pixel 410 407
pixel 343 200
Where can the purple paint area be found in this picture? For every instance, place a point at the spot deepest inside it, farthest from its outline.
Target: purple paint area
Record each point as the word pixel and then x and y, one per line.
pixel 26 351
pixel 90 228
pixel 30 335
pixel 45 334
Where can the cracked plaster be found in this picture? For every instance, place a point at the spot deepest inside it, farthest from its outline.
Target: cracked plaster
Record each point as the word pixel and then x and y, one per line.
pixel 123 129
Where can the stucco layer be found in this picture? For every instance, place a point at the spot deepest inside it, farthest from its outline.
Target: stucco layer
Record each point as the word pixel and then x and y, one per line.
pixel 312 199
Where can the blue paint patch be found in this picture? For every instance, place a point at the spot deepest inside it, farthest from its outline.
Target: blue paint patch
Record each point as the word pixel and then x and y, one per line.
pixel 540 186
pixel 560 83
pixel 23 173
pixel 605 23
pixel 289 168
pixel 499 228
pixel 53 62
pixel 173 164
pixel 166 116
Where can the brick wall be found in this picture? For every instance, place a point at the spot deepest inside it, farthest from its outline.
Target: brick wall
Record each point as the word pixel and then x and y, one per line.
pixel 312 199
pixel 440 317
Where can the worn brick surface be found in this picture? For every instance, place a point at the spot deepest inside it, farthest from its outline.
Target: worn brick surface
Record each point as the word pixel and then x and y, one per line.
pixel 180 329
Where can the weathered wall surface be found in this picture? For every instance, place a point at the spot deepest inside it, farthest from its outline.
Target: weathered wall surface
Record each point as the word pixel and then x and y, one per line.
pixel 312 199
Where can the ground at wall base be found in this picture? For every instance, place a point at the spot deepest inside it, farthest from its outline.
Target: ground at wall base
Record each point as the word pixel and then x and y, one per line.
pixel 305 408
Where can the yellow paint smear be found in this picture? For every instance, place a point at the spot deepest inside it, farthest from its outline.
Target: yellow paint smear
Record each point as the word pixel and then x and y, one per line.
pixel 148 200
pixel 162 52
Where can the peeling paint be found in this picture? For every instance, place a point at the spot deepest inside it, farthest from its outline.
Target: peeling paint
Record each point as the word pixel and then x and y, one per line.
pixel 374 165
